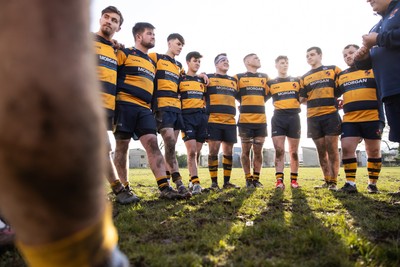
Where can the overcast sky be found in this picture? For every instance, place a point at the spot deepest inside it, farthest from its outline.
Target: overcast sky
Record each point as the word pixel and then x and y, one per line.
pixel 265 27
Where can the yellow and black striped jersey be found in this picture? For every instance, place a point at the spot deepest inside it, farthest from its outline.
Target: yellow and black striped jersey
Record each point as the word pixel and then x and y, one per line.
pixel 136 73
pixel 252 92
pixel 166 83
pixel 220 99
pixel 319 87
pixel 285 94
pixel 191 89
pixel 360 101
pixel 106 72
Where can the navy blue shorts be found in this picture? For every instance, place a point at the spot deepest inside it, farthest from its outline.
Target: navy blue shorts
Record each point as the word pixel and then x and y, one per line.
pixel 286 125
pixel 249 132
pixel 133 121
pixel 392 110
pixel 366 130
pixel 169 119
pixel 195 126
pixel 109 123
pixel 222 132
pixel 326 125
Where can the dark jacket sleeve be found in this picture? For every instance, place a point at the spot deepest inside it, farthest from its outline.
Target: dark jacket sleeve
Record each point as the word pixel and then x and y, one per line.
pixel 363 64
pixel 389 39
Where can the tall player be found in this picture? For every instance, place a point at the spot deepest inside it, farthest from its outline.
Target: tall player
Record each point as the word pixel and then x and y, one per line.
pixel 110 23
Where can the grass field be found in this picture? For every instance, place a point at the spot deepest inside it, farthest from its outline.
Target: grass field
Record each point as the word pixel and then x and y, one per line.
pixel 262 227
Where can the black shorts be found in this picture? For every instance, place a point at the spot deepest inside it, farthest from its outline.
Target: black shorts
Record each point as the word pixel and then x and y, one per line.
pixel 250 132
pixel 110 123
pixel 326 125
pixel 392 110
pixel 169 119
pixel 366 130
pixel 222 132
pixel 195 126
pixel 286 125
pixel 133 121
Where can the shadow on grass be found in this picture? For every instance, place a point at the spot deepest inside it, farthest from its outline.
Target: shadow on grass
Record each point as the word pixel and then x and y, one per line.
pixel 378 221
pixel 181 233
pixel 287 233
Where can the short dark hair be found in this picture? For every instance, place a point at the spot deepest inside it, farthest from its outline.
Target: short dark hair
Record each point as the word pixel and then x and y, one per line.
pixel 140 27
pixel 113 9
pixel 351 45
pixel 281 57
pixel 194 54
pixel 173 36
pixel 316 48
pixel 249 55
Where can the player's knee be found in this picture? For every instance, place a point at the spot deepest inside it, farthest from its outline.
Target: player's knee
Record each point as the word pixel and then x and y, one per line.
pixel 279 152
pixel 294 155
pixel 192 154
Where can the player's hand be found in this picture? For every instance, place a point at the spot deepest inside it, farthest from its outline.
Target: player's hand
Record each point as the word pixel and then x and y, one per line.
pixel 361 54
pixel 340 103
pixel 369 40
pixel 204 76
pixel 117 45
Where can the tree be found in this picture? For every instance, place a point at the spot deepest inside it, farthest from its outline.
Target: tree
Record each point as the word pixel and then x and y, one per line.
pixel 182 160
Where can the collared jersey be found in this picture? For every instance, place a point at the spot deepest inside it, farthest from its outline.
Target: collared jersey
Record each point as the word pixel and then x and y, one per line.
pixel 220 99
pixel 319 87
pixel 252 92
pixel 106 72
pixel 285 94
pixel 360 102
pixel 166 83
pixel 136 72
pixel 191 90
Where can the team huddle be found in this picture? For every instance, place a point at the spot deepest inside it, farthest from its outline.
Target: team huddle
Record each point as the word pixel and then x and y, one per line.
pixel 145 93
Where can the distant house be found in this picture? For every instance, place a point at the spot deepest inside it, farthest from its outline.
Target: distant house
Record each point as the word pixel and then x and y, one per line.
pixel 310 157
pixel 236 154
pixel 361 158
pixel 268 157
pixel 203 160
pixel 137 158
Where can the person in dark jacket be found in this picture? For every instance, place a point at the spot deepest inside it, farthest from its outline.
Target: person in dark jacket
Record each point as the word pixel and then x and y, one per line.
pixel 381 51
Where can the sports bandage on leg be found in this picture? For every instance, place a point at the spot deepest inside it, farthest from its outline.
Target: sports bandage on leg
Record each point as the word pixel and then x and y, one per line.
pixel 88 247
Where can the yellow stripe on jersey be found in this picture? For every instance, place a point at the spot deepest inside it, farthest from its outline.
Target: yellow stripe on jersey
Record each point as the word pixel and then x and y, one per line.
pixel 252 91
pixel 106 71
pixel 136 73
pixel 191 89
pixel 131 99
pixel 364 116
pixel 360 102
pixel 320 111
pixel 319 87
pixel 105 75
pixel 220 99
pixel 108 101
pixel 285 94
pixel 166 83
